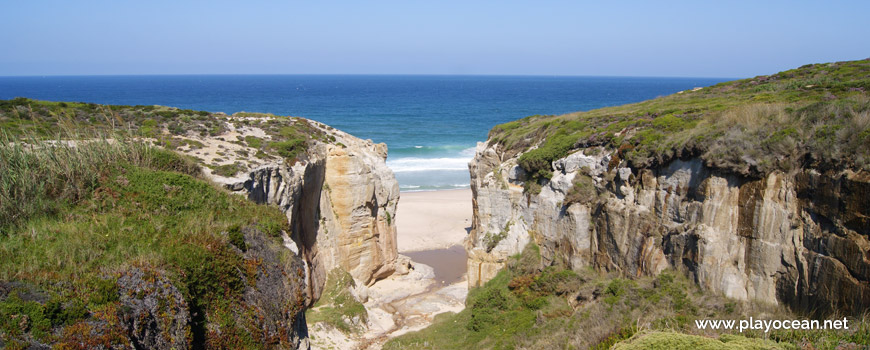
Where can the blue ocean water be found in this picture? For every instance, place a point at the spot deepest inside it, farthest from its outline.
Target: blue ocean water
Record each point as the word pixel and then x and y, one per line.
pixel 431 124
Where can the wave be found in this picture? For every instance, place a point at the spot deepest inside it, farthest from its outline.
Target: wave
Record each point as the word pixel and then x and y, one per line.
pixel 427 164
pixel 432 151
pixel 429 188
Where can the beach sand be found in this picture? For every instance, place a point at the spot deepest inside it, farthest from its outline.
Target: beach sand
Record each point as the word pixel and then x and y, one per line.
pixel 432 220
pixel 431 227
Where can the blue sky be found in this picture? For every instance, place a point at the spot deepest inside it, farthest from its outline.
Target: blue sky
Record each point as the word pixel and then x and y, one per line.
pixel 613 38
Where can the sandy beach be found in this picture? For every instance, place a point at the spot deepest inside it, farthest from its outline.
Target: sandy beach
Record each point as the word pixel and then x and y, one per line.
pixel 431 227
pixel 432 220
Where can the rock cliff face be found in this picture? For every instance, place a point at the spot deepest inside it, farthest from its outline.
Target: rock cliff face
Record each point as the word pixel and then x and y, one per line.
pixel 800 239
pixel 340 199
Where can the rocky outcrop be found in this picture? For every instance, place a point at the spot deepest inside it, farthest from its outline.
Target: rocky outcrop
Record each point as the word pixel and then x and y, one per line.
pixel 153 311
pixel 275 295
pixel 340 199
pixel 800 239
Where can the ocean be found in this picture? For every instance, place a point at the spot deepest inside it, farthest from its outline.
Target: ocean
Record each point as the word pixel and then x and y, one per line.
pixel 431 124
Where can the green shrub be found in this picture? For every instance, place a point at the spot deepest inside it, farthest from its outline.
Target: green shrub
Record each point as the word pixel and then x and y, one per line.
pixel 253 141
pixel 226 170
pixel 758 121
pixel 209 275
pixel 288 149
pixel 149 128
pixel 491 240
pixel 18 317
pixel 487 307
pixel 105 291
pixel 583 190
pixel 337 307
pixel 237 238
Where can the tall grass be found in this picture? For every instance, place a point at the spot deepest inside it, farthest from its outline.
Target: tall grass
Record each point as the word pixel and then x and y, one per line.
pixel 40 177
pixel 76 215
pixel 72 211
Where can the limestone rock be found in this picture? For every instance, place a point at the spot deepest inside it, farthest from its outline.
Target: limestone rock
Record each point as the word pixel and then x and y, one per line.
pixel 340 203
pixel 801 239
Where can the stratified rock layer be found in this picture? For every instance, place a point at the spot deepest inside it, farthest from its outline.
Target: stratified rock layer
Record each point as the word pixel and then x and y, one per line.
pixel 801 239
pixel 340 200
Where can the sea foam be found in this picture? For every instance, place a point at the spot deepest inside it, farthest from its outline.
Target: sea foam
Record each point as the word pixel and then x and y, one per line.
pixel 427 164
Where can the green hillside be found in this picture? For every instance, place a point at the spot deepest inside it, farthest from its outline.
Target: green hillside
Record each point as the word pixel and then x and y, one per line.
pixel 184 130
pixel 530 306
pixel 815 116
pixel 107 244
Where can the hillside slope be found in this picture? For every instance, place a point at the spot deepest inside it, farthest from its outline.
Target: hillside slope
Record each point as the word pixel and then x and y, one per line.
pixel 329 196
pixel 120 245
pixel 757 190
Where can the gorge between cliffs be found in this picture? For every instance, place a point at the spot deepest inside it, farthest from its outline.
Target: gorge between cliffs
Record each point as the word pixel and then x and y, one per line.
pixel 156 227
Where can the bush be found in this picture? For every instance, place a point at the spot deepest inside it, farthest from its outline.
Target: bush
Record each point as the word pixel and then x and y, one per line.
pixel 253 141
pixel 209 275
pixel 583 190
pixel 289 149
pixel 337 307
pixel 237 238
pixel 487 308
pixel 226 170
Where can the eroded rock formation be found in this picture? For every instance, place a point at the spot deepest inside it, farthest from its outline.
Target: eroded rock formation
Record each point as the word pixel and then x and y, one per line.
pixel 800 239
pixel 340 200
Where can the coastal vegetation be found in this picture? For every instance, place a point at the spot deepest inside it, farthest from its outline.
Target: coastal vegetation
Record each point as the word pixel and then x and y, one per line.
pixel 816 116
pixel 90 231
pixel 532 306
pixel 168 127
pixel 337 307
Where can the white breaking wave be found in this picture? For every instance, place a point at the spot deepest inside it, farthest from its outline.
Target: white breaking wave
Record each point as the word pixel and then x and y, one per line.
pixel 427 164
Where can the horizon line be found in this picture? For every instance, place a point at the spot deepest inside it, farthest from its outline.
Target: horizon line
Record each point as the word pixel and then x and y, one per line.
pixel 366 74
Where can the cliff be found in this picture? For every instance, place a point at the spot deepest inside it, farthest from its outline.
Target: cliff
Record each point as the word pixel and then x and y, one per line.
pixel 340 203
pixel 187 264
pixel 764 201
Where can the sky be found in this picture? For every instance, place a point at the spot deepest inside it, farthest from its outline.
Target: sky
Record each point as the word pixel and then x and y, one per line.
pixel 729 39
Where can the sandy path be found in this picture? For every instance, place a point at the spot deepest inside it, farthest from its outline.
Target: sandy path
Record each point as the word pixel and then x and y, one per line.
pixel 432 220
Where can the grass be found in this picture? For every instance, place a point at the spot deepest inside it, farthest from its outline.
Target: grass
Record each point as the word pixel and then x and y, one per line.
pixel 678 341
pixel 74 218
pixel 43 179
pixel 337 307
pixel 529 306
pixel 226 170
pixel 169 127
pixel 816 115
pixel 582 190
